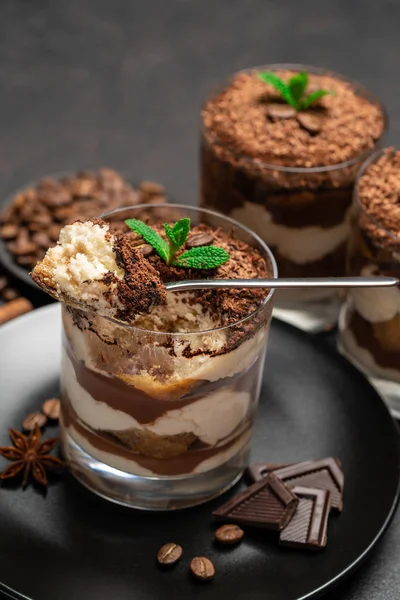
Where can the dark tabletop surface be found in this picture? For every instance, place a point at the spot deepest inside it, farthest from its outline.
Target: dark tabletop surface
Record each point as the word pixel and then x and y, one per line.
pixel 93 82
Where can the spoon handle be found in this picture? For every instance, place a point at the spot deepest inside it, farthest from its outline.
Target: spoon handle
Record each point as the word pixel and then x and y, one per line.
pixel 289 283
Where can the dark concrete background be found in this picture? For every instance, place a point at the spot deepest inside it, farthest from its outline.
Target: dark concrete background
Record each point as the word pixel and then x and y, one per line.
pixel 120 83
pixel 90 82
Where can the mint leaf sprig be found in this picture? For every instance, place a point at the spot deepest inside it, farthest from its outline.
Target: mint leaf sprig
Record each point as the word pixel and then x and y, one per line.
pixel 294 91
pixel 202 257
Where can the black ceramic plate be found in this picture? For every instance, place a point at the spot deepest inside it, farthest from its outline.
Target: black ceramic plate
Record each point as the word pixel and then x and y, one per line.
pixel 73 544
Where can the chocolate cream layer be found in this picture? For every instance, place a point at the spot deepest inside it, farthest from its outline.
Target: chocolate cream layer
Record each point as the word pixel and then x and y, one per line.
pixel 228 188
pixel 364 334
pixel 183 464
pixel 119 396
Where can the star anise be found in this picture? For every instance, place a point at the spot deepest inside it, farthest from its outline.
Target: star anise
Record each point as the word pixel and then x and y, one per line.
pixel 30 457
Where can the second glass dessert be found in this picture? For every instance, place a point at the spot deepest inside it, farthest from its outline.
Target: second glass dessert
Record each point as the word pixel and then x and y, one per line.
pixel 158 414
pixel 370 318
pixel 288 172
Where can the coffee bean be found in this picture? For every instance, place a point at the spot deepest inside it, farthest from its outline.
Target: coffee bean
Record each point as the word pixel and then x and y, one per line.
pixel 27 260
pixel 20 200
pixel 169 554
pixel 229 534
pixel 134 239
pixel 309 122
pixel 55 199
pixel 9 294
pixel 280 111
pixel 33 419
pixel 23 245
pixel 199 239
pixel 51 408
pixel 9 232
pixel 42 240
pixel 151 188
pixel 145 249
pixel 41 218
pixel 54 231
pixel 202 568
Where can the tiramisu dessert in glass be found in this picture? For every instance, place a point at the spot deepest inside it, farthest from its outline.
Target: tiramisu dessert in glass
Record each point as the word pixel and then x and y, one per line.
pixel 159 389
pixel 370 319
pixel 281 146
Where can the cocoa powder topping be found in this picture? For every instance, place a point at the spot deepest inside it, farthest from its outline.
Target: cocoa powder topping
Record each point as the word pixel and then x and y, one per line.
pixel 241 118
pixel 379 194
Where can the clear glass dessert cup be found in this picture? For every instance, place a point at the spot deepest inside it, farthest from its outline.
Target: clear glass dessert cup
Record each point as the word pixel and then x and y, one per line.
pixel 303 214
pixel 162 420
pixel 369 322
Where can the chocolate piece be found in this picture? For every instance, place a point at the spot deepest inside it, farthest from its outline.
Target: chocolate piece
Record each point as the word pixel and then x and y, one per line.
pixel 267 504
pixel 307 529
pixel 325 474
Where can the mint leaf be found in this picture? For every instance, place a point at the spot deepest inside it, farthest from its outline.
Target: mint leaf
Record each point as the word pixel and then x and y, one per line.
pixel 181 230
pixel 150 236
pixel 170 234
pixel 203 257
pixel 279 85
pixel 313 97
pixel 176 236
pixel 297 85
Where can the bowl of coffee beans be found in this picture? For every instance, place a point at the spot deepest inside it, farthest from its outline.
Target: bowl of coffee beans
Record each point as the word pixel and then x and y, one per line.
pixel 32 218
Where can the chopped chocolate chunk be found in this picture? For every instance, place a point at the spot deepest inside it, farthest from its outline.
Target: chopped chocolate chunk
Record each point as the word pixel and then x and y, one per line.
pixel 307 529
pixel 267 504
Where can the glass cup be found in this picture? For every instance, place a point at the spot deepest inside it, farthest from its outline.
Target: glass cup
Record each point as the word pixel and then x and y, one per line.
pixel 162 420
pixel 302 213
pixel 369 323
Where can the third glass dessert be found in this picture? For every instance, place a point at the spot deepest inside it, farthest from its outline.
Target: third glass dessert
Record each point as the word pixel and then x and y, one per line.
pixel 281 146
pixel 370 319
pixel 159 390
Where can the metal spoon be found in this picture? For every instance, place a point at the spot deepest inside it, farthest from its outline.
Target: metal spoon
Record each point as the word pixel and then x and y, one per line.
pixel 289 283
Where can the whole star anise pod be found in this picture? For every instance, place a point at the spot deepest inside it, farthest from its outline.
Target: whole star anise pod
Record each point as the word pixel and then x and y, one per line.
pixel 30 457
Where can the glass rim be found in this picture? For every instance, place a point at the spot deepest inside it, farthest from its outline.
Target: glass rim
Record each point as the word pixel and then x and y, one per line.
pixel 356 194
pixel 235 224
pixel 317 71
